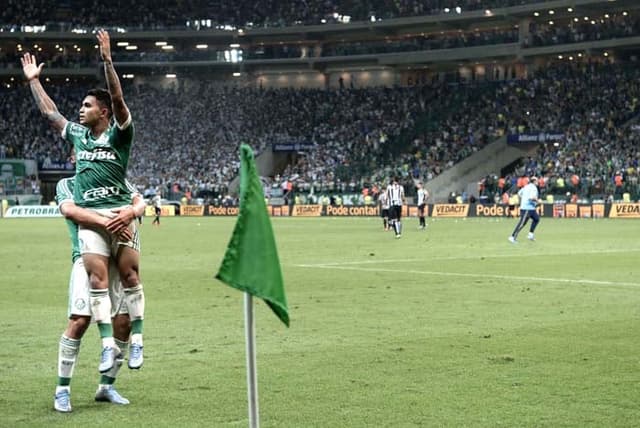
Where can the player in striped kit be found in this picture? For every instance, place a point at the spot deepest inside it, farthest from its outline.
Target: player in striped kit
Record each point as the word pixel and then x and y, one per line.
pixel 383 199
pixel 423 195
pixel 395 193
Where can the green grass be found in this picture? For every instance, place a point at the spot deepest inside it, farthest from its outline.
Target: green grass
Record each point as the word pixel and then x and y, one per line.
pixel 451 327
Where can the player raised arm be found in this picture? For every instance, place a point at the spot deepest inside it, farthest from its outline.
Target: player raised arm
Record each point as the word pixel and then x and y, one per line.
pixel 120 109
pixel 47 107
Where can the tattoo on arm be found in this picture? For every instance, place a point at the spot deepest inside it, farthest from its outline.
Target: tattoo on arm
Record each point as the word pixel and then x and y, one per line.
pixel 113 83
pixel 45 104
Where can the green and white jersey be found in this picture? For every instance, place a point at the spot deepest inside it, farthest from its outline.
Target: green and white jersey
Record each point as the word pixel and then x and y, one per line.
pixel 101 164
pixel 64 193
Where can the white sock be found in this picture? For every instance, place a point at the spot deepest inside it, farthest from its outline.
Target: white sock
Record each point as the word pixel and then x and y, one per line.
pixel 134 297
pixel 68 350
pixel 100 305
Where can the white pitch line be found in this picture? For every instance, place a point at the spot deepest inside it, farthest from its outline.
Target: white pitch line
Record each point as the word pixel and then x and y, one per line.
pixel 474 275
pixel 486 256
pixel 362 262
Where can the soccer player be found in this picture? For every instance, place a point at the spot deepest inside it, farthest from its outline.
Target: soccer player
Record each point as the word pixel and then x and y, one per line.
pixel 383 199
pixel 423 195
pixel 395 193
pixel 157 206
pixel 102 148
pixel 528 201
pixel 79 312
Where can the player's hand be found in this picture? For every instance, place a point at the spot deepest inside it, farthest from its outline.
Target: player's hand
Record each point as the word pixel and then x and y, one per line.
pixel 121 221
pixel 105 45
pixel 30 67
pixel 126 235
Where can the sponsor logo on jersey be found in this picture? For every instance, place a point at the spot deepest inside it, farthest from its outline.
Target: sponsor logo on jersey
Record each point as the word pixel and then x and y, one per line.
pixel 100 193
pixel 97 155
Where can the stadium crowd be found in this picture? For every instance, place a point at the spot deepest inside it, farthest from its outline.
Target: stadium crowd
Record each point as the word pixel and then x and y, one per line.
pixel 163 14
pixel 188 134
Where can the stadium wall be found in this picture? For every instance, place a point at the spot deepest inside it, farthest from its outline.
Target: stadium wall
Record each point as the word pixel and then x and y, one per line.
pixel 557 210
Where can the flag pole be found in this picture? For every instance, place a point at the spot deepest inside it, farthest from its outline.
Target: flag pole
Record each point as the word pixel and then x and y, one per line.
pixel 252 374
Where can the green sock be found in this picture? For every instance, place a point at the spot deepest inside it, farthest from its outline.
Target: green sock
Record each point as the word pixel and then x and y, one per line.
pixel 136 326
pixel 106 330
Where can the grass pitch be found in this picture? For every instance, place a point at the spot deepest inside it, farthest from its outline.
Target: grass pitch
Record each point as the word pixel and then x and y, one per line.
pixel 448 327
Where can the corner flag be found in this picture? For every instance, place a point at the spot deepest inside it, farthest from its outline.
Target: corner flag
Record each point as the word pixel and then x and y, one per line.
pixel 251 262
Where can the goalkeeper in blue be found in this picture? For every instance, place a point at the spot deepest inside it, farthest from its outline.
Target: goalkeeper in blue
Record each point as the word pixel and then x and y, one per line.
pixel 528 201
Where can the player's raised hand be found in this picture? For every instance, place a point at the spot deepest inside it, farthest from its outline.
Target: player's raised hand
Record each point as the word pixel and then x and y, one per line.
pixel 105 45
pixel 30 67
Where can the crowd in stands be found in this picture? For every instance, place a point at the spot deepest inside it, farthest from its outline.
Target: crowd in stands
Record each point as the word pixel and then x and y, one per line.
pixel 187 136
pixel 162 14
pixel 596 107
pixel 599 28
pixel 541 33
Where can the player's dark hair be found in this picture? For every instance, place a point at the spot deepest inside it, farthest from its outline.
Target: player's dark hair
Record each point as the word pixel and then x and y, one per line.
pixel 103 97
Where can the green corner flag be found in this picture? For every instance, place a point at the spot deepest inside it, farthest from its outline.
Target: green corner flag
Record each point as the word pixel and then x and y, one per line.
pixel 251 262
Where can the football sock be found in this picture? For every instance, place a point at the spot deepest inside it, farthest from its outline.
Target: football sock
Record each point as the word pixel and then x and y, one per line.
pixel 109 377
pixel 68 350
pixel 134 297
pixel 100 307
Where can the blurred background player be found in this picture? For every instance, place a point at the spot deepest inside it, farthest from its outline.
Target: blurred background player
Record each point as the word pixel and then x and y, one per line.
pixel 422 196
pixel 528 202
pixel 395 193
pixel 383 199
pixel 157 206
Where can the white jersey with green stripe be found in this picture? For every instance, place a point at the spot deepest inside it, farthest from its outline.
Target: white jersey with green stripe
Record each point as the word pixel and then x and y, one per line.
pixel 101 164
pixel 64 193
